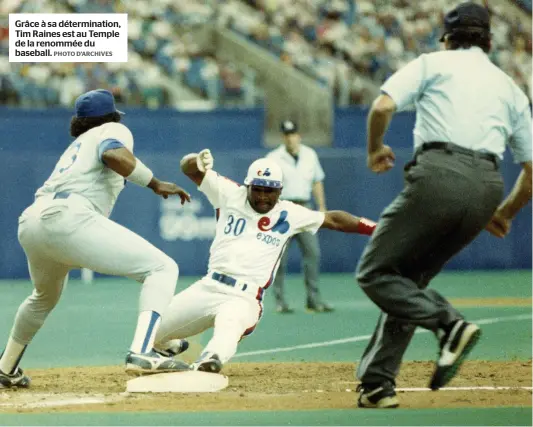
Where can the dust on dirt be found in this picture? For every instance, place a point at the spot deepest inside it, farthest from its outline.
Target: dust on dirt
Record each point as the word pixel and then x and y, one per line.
pixel 267 386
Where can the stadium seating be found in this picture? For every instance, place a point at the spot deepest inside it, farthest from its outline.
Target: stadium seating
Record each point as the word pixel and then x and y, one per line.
pixel 329 40
pixel 155 50
pixel 333 41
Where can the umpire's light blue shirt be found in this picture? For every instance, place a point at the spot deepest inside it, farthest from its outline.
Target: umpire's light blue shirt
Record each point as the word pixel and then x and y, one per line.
pixel 463 98
pixel 300 175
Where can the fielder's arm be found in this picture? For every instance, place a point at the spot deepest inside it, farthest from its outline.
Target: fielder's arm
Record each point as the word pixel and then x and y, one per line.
pixel 347 223
pixel 123 162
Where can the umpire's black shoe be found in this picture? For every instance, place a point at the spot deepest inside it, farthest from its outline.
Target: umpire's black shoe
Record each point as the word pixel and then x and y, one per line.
pixel 319 307
pixel 283 308
pixel 377 395
pixel 457 342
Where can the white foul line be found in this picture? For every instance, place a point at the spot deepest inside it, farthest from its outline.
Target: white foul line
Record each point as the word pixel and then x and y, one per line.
pixel 52 400
pixel 466 388
pixel 358 338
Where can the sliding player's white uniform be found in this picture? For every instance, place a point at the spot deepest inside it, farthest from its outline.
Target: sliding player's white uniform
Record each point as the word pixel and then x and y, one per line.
pixel 243 260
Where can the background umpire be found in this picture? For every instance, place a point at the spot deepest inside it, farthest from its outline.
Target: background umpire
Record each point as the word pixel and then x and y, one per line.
pixel 466 111
pixel 303 176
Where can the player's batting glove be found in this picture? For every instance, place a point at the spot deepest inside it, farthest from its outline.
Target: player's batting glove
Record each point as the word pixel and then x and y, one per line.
pixel 204 160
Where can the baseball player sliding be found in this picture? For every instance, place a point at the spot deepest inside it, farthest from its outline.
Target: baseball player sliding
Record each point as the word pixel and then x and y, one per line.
pixel 252 232
pixel 67 227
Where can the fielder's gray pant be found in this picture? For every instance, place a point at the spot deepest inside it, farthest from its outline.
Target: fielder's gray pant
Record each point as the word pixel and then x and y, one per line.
pixel 447 201
pixel 310 248
pixel 58 235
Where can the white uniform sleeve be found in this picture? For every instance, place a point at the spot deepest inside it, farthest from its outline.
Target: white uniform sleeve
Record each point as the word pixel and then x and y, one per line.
pixel 304 219
pixel 520 141
pixel 217 188
pixel 319 174
pixel 406 84
pixel 118 132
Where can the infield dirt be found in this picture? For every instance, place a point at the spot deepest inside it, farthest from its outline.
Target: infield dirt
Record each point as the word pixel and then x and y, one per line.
pixel 266 386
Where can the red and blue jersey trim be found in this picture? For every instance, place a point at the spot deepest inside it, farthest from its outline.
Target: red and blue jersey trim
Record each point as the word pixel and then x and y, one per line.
pixel 262 289
pixel 252 328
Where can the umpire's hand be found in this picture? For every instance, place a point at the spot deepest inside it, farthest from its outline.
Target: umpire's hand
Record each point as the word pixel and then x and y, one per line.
pixel 499 225
pixel 381 160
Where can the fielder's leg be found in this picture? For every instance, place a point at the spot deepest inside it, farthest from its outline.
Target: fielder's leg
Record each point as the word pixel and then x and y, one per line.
pixel 48 277
pixel 104 246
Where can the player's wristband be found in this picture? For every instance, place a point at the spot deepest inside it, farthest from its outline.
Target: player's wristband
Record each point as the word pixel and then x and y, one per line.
pixel 141 175
pixel 366 226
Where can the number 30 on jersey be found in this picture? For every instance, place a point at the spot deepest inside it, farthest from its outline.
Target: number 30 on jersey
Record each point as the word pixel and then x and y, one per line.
pixel 235 226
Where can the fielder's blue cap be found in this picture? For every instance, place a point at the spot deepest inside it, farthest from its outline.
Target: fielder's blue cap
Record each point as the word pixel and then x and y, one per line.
pixel 95 103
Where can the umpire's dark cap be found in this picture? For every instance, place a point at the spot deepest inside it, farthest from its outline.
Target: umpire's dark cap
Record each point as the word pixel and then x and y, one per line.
pixel 288 126
pixel 95 103
pixel 466 16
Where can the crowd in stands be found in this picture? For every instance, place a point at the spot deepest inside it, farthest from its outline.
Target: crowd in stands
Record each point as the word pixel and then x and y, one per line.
pixel 342 44
pixel 156 32
pixel 157 53
pixel 337 41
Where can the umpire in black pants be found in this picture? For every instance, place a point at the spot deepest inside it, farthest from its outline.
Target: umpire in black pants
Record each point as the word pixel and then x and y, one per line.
pixel 467 110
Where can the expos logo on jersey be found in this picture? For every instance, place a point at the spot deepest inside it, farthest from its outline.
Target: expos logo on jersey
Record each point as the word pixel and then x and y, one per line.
pixel 281 226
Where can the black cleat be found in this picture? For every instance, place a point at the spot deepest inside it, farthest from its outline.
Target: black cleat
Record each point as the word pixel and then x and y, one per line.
pixel 153 363
pixel 208 362
pixel 455 345
pixel 18 379
pixel 172 348
pixel 377 395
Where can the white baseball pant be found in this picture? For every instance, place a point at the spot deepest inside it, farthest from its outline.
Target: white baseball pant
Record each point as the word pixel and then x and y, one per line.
pixel 64 234
pixel 210 304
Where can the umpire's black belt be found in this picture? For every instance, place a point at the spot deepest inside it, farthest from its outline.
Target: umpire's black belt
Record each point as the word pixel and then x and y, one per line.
pixel 454 148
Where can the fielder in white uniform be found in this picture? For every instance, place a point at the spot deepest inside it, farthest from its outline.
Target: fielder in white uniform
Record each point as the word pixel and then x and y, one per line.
pixel 252 232
pixel 67 227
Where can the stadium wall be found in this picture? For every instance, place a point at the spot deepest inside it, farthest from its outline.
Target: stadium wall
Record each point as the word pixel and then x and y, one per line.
pixel 31 143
